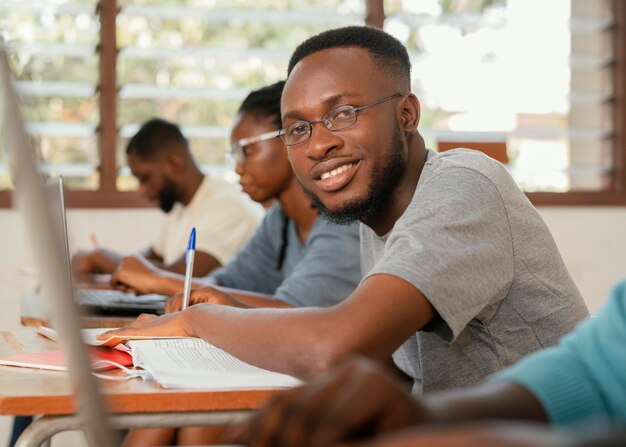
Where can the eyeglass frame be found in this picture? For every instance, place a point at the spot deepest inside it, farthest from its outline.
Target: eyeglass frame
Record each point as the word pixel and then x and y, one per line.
pixel 237 152
pixel 325 120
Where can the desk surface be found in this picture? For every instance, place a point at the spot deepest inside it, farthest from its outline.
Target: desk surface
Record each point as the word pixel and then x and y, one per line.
pixel 88 321
pixel 26 391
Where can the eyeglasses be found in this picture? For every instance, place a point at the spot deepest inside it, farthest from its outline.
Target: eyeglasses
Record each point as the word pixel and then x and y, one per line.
pixel 336 119
pixel 239 150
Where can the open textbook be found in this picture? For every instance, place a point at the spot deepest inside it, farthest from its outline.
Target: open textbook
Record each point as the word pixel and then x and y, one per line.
pixel 186 362
pixel 194 363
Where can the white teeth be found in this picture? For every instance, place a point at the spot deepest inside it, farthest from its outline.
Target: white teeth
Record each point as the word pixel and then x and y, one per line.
pixel 334 172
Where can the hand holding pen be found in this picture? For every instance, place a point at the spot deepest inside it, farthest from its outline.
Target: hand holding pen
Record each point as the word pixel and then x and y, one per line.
pixel 191 249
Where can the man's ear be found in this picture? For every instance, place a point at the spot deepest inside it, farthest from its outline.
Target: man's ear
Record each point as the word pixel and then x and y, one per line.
pixel 410 113
pixel 175 164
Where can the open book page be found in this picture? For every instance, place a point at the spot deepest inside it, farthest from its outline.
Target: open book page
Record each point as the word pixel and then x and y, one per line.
pixel 194 363
pixel 90 337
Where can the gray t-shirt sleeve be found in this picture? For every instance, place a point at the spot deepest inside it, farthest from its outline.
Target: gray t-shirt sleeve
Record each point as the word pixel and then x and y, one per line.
pixel 329 270
pixel 454 245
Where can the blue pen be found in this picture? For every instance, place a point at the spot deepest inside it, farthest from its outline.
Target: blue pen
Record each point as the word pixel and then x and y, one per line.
pixel 191 249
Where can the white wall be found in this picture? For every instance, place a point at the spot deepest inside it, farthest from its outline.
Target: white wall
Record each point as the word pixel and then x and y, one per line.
pixel 591 240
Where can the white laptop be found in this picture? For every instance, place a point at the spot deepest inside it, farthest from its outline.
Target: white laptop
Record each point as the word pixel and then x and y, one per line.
pixel 99 301
pixel 47 240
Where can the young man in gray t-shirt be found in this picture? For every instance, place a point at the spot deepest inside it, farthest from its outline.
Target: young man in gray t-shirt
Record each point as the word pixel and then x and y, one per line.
pixel 460 272
pixel 472 244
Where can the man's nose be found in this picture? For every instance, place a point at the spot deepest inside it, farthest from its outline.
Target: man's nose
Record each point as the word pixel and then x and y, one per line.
pixel 143 190
pixel 322 141
pixel 239 167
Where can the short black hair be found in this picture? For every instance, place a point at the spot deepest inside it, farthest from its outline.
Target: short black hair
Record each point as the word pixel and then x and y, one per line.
pixel 386 51
pixel 265 102
pixel 154 136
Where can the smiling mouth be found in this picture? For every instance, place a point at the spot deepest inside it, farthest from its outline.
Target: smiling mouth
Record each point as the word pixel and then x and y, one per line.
pixel 337 178
pixel 337 171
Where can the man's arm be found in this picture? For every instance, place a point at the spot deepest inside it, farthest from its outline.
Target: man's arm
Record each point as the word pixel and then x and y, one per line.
pixel 581 379
pixel 305 342
pixel 203 264
pixel 361 398
pixel 97 261
pixel 226 296
pixel 139 274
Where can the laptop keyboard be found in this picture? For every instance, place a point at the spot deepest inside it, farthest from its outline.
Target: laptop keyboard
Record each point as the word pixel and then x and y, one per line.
pixel 102 297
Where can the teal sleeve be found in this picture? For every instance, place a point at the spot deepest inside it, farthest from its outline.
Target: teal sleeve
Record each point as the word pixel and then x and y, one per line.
pixel 584 377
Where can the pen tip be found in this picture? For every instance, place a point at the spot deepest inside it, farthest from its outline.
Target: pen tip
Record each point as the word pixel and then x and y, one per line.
pixel 192 240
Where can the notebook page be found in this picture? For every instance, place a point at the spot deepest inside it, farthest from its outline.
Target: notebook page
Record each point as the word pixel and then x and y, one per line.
pixel 194 363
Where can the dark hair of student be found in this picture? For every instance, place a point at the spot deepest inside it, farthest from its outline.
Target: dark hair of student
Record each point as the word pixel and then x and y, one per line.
pixel 154 136
pixel 386 51
pixel 265 103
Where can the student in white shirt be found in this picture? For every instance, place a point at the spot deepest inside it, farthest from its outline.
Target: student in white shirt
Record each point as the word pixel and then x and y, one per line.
pixel 159 157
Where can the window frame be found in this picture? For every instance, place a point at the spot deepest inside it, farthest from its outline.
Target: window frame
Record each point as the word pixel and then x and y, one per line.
pixel 107 196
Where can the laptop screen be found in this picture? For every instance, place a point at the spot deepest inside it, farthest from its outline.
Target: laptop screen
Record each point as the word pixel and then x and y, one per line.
pixel 110 302
pixel 47 241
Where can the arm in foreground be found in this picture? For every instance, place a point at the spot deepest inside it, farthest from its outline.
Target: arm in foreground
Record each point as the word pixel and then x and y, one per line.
pixel 306 341
pixel 361 399
pixel 580 379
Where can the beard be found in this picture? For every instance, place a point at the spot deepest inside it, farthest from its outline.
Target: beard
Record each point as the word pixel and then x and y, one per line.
pixel 168 196
pixel 383 182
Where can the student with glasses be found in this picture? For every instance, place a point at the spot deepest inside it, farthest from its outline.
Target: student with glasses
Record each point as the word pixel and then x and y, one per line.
pixel 291 251
pixel 294 259
pixel 461 275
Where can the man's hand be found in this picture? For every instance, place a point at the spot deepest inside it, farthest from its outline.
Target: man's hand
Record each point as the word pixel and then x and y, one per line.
pixel 357 399
pixel 174 325
pixel 84 263
pixel 138 274
pixel 203 295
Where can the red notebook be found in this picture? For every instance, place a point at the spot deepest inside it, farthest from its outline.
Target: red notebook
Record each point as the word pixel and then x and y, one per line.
pixel 55 359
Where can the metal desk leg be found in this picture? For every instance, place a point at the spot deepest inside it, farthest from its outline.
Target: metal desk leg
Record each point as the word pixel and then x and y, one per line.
pixel 47 426
pixel 44 428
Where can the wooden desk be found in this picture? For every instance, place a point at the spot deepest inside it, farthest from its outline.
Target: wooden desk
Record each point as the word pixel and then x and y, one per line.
pixel 135 403
pixel 88 321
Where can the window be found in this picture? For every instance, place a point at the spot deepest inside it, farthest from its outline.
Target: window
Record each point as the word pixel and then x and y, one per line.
pixel 90 73
pixel 541 84
pixel 53 46
pixel 535 83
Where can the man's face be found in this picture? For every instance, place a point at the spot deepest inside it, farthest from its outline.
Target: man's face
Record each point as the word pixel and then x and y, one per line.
pixel 351 173
pixel 154 182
